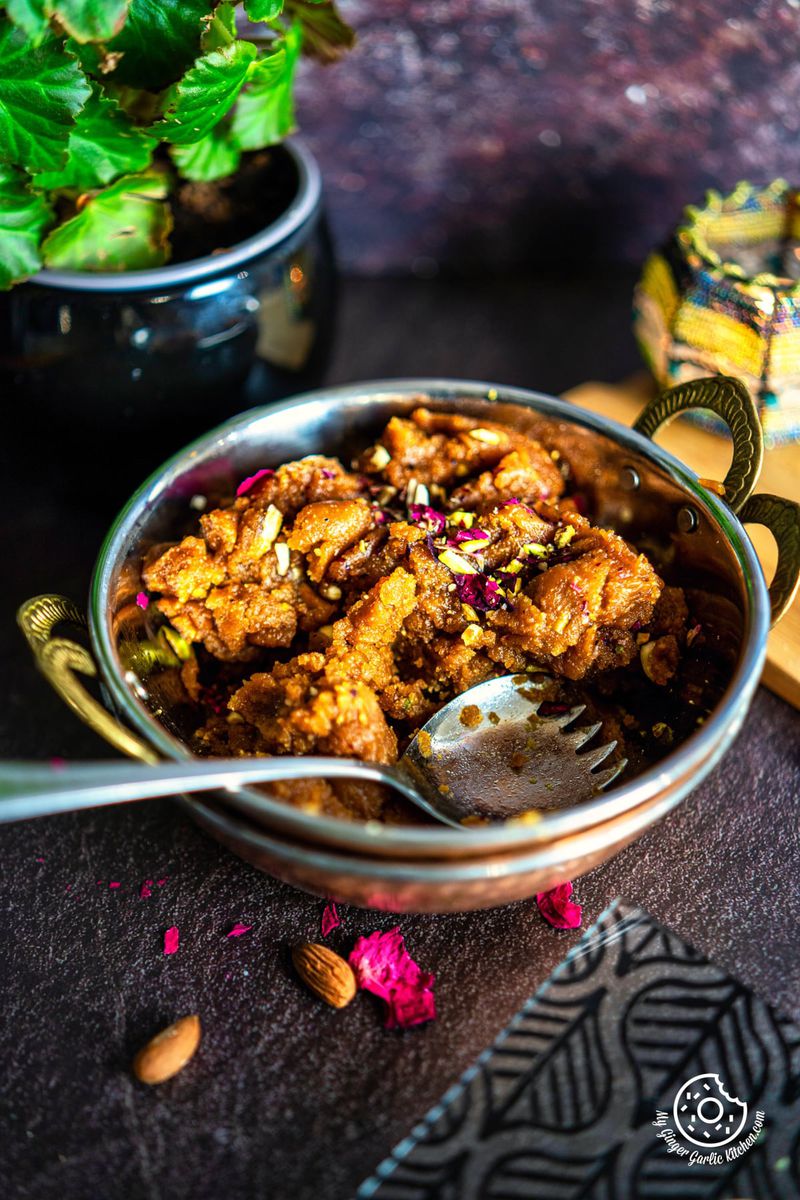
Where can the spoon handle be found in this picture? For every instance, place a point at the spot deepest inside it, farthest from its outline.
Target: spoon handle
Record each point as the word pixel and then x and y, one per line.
pixel 31 790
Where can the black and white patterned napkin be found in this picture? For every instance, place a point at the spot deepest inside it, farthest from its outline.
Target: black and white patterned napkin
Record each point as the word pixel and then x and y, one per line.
pixel 638 1071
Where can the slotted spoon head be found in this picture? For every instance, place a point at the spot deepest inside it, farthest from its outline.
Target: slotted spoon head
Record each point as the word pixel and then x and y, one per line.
pixel 488 754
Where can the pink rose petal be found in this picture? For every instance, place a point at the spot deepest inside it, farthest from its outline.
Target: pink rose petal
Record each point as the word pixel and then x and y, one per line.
pixel 171 938
pixel 161 882
pixel 40 859
pixel 142 599
pixel 252 480
pixel 383 966
pixel 558 909
pixel 330 918
pixel 146 890
pixel 239 929
pixel 113 884
pixel 410 1006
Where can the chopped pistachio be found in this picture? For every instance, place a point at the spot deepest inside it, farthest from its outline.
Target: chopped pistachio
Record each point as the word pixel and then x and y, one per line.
pixel 270 528
pixel 459 517
pixel 469 612
pixel 474 547
pixel 180 646
pixel 457 563
pixel 284 556
pixel 471 635
pixel 489 437
pixel 535 549
pixel 564 536
pixel 515 566
pixel 421 495
pixel 380 458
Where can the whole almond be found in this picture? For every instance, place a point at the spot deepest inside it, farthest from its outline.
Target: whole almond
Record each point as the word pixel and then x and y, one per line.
pixel 326 973
pixel 168 1052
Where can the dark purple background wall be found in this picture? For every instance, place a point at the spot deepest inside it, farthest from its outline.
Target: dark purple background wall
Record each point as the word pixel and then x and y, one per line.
pixel 462 132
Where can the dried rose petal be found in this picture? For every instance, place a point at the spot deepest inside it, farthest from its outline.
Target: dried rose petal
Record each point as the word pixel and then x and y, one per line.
pixel 558 909
pixel 251 480
pixel 171 939
pixel 410 1006
pixel 239 929
pixel 327 473
pixel 383 966
pixel 330 918
pixel 113 884
pixel 480 591
pixel 142 599
pixel 423 514
pixel 146 890
pixel 468 535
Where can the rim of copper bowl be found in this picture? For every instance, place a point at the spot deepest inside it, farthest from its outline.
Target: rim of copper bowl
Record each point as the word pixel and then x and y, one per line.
pixel 695 754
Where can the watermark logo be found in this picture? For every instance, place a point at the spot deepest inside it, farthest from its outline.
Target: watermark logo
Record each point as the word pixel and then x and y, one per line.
pixel 706 1115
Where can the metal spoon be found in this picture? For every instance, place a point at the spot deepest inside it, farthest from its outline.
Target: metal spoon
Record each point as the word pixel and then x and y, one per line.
pixel 487 755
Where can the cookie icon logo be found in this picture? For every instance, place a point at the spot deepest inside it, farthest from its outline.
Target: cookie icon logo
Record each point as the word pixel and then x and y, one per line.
pixel 705 1114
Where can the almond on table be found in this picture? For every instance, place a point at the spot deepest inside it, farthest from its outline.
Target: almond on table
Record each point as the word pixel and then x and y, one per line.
pixel 326 973
pixel 168 1052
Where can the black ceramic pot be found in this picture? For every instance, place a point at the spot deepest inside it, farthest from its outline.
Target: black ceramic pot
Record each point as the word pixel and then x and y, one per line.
pixel 176 348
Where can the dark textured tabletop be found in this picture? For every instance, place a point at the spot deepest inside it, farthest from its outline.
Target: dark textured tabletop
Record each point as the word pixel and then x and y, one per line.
pixel 288 1098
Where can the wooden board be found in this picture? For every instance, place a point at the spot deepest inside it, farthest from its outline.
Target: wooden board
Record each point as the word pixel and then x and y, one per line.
pixel 709 455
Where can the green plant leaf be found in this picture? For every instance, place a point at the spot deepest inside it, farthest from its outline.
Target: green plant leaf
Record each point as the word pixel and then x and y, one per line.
pixel 30 15
pixel 325 35
pixel 90 20
pixel 264 114
pixel 158 41
pixel 213 157
pixel 263 10
pixel 41 90
pixel 85 20
pixel 207 90
pixel 23 217
pixel 104 144
pixel 125 227
pixel 220 28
